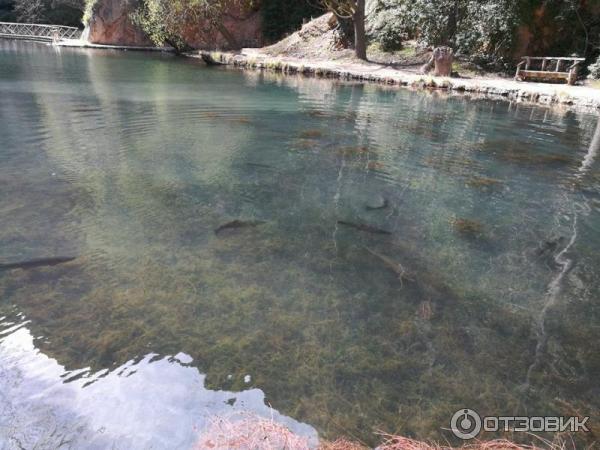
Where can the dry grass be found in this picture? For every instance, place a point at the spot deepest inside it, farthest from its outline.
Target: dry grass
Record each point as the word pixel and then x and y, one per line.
pixel 246 431
pixel 249 432
pixel 341 444
pixel 391 442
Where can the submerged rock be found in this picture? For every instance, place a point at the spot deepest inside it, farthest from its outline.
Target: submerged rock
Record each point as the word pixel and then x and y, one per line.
pixel 377 202
pixel 550 246
pixel 547 250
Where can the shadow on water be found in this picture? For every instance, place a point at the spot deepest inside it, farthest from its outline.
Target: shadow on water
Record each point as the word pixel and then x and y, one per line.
pixel 377 257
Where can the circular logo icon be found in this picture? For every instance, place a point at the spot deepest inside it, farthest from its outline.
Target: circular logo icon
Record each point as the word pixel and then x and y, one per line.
pixel 465 424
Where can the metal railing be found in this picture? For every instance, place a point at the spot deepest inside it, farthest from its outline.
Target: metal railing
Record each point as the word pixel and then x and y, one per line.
pixel 50 33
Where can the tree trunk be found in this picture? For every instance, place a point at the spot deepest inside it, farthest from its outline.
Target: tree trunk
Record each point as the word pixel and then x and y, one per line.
pixel 443 58
pixel 231 40
pixel 452 25
pixel 360 37
pixel 179 47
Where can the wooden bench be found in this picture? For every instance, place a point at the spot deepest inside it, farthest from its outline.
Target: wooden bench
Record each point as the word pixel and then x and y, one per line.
pixel 551 69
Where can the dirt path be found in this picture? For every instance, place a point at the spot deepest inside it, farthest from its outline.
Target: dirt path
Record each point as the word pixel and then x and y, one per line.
pixel 545 93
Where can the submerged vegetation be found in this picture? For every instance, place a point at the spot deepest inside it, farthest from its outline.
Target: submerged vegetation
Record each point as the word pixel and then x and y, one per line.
pixel 483 183
pixel 467 227
pixel 342 322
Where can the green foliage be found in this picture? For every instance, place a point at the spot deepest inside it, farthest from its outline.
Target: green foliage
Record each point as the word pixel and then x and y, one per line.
pixel 575 24
pixel 475 27
pixel 6 11
pixel 87 11
pixel 61 12
pixel 487 29
pixel 282 16
pixel 167 21
pixel 595 70
pixel 386 24
pixel 32 11
pixel 155 18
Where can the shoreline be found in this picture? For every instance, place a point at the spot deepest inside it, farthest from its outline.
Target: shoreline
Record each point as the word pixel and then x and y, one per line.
pixel 581 97
pixel 78 43
pixel 548 94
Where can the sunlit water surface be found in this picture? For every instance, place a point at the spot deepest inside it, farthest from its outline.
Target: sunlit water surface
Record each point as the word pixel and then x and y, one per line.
pixel 406 254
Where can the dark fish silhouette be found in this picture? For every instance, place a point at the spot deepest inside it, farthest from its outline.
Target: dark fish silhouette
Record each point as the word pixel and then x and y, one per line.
pixel 34 263
pixel 239 224
pixel 363 227
pixel 260 166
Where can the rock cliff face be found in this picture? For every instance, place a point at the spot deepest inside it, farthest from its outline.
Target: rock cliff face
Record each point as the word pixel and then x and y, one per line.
pixel 244 26
pixel 110 24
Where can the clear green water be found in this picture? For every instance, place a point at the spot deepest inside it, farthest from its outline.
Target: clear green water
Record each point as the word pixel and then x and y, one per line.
pixel 130 161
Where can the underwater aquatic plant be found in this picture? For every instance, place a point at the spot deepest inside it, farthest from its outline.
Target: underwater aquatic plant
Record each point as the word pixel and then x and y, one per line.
pixel 311 134
pixel 521 157
pixel 375 165
pixel 467 227
pixel 483 183
pixel 354 151
pixel 306 144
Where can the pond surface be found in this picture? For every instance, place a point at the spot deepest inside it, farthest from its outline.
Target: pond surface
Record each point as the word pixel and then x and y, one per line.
pixel 389 257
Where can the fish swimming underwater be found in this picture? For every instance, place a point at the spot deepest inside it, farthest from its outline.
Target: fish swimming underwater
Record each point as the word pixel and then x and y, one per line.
pixel 363 227
pixel 260 166
pixel 395 266
pixel 430 286
pixel 34 263
pixel 239 224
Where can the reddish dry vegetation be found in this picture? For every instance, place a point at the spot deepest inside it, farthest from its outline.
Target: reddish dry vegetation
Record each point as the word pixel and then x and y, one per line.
pixel 391 442
pixel 250 432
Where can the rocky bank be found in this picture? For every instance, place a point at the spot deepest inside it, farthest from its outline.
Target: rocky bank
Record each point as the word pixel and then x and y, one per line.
pixel 110 23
